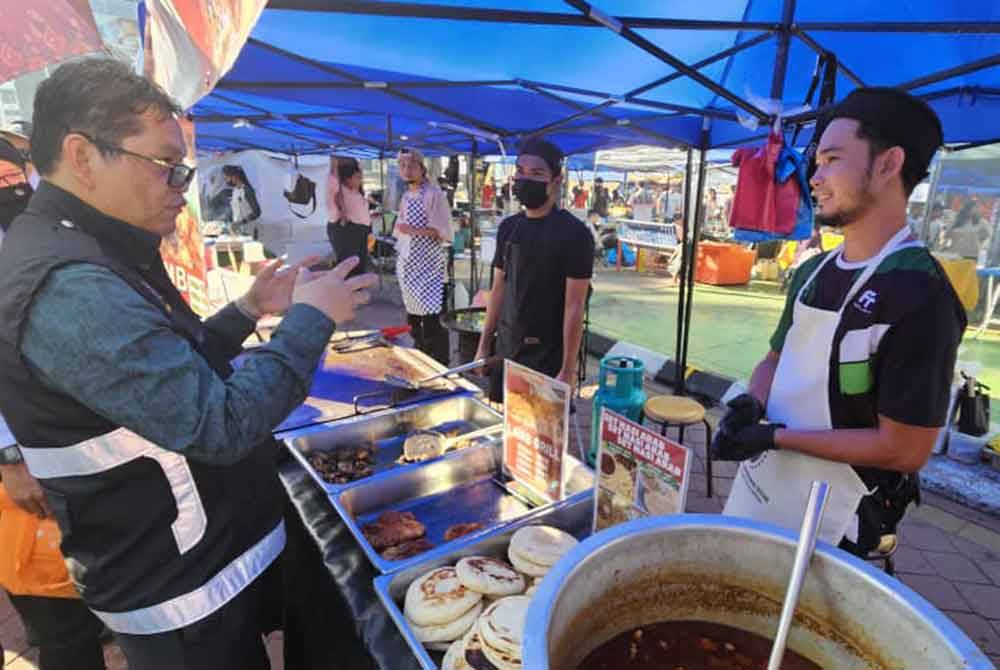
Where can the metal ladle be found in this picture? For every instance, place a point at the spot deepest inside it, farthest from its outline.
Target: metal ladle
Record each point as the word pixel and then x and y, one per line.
pixel 803 554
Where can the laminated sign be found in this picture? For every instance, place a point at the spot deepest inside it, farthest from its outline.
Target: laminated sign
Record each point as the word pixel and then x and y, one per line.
pixel 535 431
pixel 639 473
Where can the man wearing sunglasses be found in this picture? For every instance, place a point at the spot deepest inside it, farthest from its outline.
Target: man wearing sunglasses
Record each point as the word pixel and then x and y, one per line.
pixel 156 457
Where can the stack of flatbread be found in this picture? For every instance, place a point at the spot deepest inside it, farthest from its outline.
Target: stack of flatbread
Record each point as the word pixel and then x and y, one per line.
pixel 533 550
pixel 492 641
pixel 440 609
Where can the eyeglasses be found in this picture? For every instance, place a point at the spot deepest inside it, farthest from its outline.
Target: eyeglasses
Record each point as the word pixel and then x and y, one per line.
pixel 179 175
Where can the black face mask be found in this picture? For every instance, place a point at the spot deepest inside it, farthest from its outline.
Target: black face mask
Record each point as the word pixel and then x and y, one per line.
pixel 532 194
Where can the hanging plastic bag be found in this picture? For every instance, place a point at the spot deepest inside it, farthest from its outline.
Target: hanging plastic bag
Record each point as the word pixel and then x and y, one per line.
pixel 767 196
pixel 30 562
pixel 772 194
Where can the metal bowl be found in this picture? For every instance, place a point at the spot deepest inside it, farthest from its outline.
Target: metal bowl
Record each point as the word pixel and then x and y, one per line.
pixel 734 571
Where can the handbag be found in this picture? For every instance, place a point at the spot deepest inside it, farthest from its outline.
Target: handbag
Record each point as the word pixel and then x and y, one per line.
pixel 302 193
pixel 974 408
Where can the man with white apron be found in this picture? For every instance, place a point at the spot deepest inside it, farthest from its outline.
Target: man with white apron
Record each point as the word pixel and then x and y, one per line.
pixel 856 384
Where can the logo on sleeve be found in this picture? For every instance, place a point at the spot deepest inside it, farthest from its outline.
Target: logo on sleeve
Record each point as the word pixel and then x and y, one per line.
pixel 866 301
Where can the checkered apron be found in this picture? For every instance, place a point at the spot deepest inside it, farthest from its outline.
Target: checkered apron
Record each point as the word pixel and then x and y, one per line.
pixel 421 274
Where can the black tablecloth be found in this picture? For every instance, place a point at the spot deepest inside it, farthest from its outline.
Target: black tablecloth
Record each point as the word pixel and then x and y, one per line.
pixel 334 619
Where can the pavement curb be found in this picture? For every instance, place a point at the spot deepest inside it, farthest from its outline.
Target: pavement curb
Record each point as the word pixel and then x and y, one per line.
pixel 710 386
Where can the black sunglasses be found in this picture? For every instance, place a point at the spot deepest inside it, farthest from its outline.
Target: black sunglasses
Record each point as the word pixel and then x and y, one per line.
pixel 179 175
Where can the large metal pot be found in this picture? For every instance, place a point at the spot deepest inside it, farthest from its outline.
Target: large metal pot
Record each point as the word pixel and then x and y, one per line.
pixel 734 571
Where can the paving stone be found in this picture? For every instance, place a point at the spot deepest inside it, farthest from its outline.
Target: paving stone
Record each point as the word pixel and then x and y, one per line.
pixel 992 570
pixel 981 536
pixel 955 567
pixel 975 551
pixel 938 590
pixel 13 639
pixel 937 517
pixel 721 486
pixel 924 536
pixel 912 560
pixel 984 599
pixel 979 629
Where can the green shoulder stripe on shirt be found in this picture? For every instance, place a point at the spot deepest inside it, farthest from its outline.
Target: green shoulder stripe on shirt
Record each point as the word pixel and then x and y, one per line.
pixel 802 273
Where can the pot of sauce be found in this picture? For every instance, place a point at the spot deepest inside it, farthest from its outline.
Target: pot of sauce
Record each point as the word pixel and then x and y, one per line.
pixel 705 591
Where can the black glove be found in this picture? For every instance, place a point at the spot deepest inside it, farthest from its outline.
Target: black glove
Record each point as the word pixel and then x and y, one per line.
pixel 746 443
pixel 744 410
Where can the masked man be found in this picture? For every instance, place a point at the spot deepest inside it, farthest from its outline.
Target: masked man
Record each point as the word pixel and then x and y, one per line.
pixel 543 265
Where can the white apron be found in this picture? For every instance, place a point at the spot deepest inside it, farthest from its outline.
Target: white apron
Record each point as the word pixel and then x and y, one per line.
pixel 774 486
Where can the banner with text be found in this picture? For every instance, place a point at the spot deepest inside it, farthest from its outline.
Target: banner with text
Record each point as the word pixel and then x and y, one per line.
pixel 639 473
pixel 536 430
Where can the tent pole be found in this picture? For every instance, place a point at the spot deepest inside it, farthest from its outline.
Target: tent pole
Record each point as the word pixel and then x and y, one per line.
pixel 781 59
pixel 471 179
pixel 693 262
pixel 678 370
pixel 929 205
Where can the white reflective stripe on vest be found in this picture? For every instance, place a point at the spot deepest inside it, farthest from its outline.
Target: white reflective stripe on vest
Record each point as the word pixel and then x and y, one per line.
pixel 108 451
pixel 194 606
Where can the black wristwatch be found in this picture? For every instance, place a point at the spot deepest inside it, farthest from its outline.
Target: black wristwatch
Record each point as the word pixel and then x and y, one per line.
pixel 11 455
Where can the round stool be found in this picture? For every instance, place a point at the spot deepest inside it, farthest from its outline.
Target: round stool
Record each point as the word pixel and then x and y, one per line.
pixel 675 410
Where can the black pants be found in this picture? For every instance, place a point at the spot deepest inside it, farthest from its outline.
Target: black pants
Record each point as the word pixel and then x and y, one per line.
pixel 430 336
pixel 229 638
pixel 349 239
pixel 67 632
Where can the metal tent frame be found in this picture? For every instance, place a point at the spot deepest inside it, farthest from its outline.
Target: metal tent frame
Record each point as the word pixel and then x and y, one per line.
pixel 591 118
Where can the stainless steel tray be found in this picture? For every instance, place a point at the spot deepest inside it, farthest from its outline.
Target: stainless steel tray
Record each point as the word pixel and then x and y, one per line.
pixel 343 377
pixel 460 487
pixel 574 515
pixel 386 431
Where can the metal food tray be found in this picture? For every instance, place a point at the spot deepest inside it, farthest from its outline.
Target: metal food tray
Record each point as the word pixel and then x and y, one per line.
pixel 460 487
pixel 574 515
pixel 343 378
pixel 387 430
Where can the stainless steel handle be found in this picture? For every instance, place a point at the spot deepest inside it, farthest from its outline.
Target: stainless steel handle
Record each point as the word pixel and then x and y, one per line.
pixel 811 522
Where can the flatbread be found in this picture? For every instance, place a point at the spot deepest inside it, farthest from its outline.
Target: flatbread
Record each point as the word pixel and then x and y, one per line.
pixel 454 658
pixel 502 628
pixel 525 566
pixel 448 632
pixel 502 659
pixel 474 656
pixel 530 591
pixel 542 545
pixel 489 576
pixel 438 598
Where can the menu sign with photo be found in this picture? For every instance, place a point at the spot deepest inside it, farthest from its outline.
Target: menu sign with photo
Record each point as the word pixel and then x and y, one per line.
pixel 535 430
pixel 639 473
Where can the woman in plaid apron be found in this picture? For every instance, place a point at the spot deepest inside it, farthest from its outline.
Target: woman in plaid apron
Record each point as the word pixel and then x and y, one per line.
pixel 423 226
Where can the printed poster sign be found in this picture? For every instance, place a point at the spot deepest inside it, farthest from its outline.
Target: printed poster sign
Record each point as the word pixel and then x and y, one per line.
pixel 639 473
pixel 184 251
pixel 535 430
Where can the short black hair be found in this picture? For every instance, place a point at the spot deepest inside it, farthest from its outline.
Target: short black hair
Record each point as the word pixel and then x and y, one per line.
pixel 889 117
pixel 100 97
pixel 547 151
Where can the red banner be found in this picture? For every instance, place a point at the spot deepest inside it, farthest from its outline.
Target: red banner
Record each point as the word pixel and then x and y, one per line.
pixel 36 34
pixel 184 251
pixel 197 41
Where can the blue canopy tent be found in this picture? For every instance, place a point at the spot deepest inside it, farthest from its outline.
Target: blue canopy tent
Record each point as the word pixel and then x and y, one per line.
pixel 369 76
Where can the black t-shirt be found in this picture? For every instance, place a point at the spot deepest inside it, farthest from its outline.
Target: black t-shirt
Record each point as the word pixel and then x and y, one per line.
pixel 894 350
pixel 554 248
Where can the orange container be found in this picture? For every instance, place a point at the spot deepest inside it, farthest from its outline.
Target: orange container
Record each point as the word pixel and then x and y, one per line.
pixel 723 264
pixel 30 561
